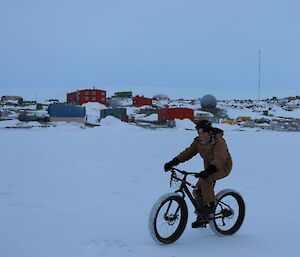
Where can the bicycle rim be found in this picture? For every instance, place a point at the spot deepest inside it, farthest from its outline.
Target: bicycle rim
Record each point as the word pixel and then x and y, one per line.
pixel 170 219
pixel 229 214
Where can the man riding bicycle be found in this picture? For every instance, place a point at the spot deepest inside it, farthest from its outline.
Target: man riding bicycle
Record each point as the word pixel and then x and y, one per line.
pixel 212 147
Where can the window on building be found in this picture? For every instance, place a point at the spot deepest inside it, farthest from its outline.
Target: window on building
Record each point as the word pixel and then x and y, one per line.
pixel 93 93
pixel 86 93
pixel 102 99
pixel 94 98
pixel 102 93
pixel 86 98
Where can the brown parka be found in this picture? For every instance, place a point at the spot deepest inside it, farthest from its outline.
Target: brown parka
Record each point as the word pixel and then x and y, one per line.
pixel 214 152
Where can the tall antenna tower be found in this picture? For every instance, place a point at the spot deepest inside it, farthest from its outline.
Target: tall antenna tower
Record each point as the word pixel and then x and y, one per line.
pixel 259 64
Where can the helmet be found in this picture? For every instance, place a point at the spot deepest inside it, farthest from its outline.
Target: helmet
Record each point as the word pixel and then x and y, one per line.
pixel 204 124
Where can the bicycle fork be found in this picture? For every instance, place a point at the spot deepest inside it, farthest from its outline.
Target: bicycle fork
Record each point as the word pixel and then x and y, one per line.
pixel 171 217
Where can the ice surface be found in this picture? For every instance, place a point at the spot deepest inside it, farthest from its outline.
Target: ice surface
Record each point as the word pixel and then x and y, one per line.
pixel 67 191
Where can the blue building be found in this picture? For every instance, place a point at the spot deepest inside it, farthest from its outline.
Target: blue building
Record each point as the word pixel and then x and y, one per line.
pixel 66 112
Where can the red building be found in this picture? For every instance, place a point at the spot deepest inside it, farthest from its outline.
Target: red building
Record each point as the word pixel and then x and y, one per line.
pixel 175 113
pixel 139 101
pixel 87 95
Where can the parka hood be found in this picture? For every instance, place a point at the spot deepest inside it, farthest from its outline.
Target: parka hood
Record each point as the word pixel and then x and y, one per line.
pixel 214 152
pixel 217 133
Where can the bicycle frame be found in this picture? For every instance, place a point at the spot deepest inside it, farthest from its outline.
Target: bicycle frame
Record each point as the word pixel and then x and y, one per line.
pixel 183 189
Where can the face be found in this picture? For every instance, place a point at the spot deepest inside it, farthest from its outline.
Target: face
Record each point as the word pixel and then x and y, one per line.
pixel 203 135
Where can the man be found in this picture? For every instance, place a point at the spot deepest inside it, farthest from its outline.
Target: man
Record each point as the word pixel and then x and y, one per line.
pixel 212 147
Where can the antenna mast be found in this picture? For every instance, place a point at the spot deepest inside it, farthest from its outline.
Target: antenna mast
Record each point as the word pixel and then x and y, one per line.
pixel 259 74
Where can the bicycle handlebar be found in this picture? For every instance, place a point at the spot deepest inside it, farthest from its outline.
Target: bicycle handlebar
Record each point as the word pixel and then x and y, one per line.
pixel 184 172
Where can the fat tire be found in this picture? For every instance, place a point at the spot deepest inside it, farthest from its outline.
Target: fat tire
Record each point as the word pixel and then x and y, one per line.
pixel 154 213
pixel 212 222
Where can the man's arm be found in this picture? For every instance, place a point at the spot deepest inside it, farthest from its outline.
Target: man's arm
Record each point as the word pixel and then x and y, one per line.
pixel 189 152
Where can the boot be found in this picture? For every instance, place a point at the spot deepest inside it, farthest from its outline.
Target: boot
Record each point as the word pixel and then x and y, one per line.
pixel 200 222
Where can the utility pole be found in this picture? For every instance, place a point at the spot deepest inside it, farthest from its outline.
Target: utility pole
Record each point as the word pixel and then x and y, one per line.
pixel 259 75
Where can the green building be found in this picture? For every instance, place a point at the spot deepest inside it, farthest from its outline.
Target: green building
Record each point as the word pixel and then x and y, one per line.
pixel 123 94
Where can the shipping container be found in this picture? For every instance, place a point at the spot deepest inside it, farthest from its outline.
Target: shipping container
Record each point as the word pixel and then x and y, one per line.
pixel 119 113
pixel 230 122
pixel 39 106
pixel 215 119
pixel 266 113
pixel 244 118
pixel 66 110
pixel 175 113
pixel 139 101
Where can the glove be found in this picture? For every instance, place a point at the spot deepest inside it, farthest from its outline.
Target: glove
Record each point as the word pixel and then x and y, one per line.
pixel 207 172
pixel 203 174
pixel 171 164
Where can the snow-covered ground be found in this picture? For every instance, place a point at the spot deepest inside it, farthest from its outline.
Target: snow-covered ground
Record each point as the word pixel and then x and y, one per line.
pixel 68 191
pixel 254 109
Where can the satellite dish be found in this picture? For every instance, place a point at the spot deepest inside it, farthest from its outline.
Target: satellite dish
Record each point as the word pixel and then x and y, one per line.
pixel 208 102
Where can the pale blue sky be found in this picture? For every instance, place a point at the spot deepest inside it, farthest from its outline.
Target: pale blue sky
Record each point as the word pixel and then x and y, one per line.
pixel 168 44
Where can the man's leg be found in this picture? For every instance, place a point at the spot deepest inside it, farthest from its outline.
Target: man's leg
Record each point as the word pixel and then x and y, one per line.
pixel 207 185
pixel 207 189
pixel 219 175
pixel 201 220
pixel 204 195
pixel 198 195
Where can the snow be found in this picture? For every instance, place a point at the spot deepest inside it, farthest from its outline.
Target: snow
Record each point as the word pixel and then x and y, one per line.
pixel 233 114
pixel 68 191
pixel 151 117
pixel 184 124
pixel 143 117
pixel 28 107
pixel 255 109
pixel 277 112
pixel 16 123
pixel 8 123
pixel 287 114
pixel 131 110
pixel 93 111
pixel 94 106
pixel 113 123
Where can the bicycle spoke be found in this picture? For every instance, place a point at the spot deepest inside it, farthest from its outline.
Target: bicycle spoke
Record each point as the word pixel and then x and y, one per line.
pixel 168 219
pixel 229 213
pixel 227 223
pixel 170 203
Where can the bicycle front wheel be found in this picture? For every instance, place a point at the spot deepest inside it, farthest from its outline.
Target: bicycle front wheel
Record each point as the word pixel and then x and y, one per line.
pixel 229 213
pixel 168 218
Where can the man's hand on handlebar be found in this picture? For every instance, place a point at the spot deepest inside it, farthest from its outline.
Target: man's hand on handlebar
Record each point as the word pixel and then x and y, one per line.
pixel 169 165
pixel 202 174
pixel 207 172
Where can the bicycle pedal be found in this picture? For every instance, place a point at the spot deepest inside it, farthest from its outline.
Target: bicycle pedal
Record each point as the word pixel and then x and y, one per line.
pixel 203 225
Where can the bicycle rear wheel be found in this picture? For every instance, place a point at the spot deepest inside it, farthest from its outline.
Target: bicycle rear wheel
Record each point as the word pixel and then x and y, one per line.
pixel 168 218
pixel 229 213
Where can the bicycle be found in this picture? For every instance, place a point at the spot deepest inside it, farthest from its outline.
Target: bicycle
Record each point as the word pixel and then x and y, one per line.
pixel 169 215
